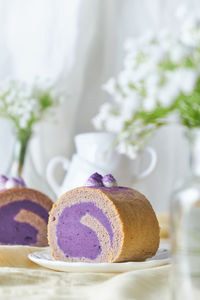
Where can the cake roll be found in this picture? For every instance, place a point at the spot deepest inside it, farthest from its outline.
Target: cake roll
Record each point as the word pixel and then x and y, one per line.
pixel 24 214
pixel 102 222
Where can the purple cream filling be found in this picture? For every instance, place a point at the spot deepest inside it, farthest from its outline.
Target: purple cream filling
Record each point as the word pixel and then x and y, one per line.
pixel 113 188
pixel 16 233
pixel 76 239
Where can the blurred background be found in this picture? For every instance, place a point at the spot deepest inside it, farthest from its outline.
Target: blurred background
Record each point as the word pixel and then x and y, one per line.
pixel 79 44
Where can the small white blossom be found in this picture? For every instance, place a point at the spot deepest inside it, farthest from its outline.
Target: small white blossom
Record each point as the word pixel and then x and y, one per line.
pixel 178 53
pixel 125 148
pixel 110 86
pixel 187 79
pixel 149 104
pixel 114 124
pixel 167 94
pixel 104 114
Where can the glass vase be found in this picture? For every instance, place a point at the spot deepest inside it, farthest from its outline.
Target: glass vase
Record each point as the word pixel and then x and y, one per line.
pixel 185 228
pixel 19 154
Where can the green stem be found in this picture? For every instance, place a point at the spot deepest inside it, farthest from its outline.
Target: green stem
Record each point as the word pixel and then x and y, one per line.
pixel 22 154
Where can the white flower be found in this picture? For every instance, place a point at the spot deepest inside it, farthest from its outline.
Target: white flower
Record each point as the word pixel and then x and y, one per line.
pixel 125 148
pixel 178 53
pixel 151 84
pixel 110 86
pixel 145 39
pixel 103 115
pixel 178 81
pixel 124 79
pixel 22 102
pixel 149 104
pixel 167 94
pixel 114 124
pixel 187 79
pixel 130 105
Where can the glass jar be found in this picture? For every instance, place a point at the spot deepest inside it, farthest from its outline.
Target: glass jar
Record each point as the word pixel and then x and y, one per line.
pixel 185 225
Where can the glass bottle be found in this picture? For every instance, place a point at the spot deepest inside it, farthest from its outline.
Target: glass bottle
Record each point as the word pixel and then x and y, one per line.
pixel 185 228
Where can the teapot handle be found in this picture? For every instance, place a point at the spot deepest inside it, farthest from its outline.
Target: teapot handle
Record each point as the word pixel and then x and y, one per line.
pixel 50 171
pixel 152 164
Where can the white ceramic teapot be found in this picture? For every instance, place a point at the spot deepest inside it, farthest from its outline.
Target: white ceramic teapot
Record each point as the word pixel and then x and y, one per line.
pixel 95 153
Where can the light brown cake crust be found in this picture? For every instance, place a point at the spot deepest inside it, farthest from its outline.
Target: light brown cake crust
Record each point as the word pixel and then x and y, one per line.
pixel 22 193
pixel 7 196
pixel 140 225
pixel 133 221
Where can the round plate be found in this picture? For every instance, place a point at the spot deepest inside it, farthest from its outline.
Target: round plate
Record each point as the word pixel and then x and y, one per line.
pixel 44 259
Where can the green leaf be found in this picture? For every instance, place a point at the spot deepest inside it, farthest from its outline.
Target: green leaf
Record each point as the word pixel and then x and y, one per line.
pixel 45 101
pixel 188 108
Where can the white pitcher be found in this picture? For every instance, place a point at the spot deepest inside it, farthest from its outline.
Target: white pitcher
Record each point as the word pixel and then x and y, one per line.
pixel 95 153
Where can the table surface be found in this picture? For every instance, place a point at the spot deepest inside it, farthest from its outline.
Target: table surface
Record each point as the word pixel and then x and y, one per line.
pixel 22 279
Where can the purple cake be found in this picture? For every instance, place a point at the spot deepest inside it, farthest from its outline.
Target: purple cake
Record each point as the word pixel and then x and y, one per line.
pixel 102 222
pixel 23 214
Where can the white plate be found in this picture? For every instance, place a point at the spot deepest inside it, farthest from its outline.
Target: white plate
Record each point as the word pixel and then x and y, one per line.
pixel 44 259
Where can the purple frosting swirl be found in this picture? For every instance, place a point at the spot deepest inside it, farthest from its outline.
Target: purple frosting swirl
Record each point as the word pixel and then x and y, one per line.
pixel 109 181
pixel 12 182
pixel 94 180
pixel 97 179
pixel 3 180
pixel 21 182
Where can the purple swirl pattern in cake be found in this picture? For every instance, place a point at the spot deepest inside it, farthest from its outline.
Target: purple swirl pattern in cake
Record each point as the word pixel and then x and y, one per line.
pixel 23 213
pixel 15 232
pixel 76 239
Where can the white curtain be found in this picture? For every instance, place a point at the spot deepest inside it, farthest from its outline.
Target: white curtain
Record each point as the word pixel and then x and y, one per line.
pixel 79 44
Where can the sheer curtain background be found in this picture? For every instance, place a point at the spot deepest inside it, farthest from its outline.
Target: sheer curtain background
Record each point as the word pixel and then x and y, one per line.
pixel 80 45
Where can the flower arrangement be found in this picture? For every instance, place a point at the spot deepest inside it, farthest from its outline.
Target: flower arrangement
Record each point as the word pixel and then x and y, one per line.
pixel 25 104
pixel 160 80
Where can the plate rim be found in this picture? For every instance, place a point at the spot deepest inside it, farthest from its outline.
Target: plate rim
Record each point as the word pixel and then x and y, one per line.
pixel 57 263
